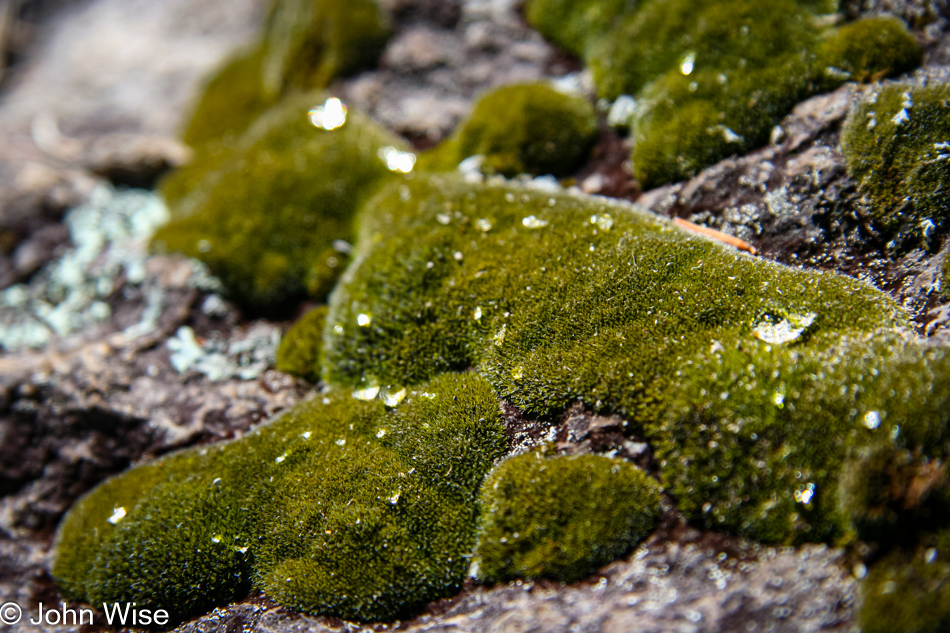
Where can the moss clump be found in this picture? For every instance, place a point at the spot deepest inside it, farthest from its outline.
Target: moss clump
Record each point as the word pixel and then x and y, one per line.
pixel 265 219
pixel 561 517
pixel 772 442
pixel 522 128
pixel 712 77
pixel 871 49
pixel 895 142
pixel 339 508
pixel 300 350
pixel 304 46
pixel 909 590
pixel 559 300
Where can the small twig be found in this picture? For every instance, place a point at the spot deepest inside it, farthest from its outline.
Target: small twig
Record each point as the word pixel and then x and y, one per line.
pixel 719 236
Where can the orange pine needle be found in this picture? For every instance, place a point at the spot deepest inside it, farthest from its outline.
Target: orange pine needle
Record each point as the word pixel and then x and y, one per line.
pixel 719 236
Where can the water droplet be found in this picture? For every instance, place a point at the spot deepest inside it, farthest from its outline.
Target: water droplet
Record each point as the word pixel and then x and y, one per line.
pixel 338 329
pixel 603 221
pixel 396 160
pixel 532 222
pixel 785 331
pixel 363 319
pixel 484 224
pixel 499 337
pixel 117 515
pixel 392 396
pixel 457 255
pixel 394 499
pixel 381 433
pixel 872 419
pixel 281 458
pixel 478 313
pixel 443 218
pixel 510 197
pixel 428 396
pixel 329 116
pixel 215 538
pixel 930 555
pixel 518 373
pixel 778 399
pixel 805 495
pixel 368 392
pixel 688 63
pixel 204 246
pixel 306 435
pixel 341 442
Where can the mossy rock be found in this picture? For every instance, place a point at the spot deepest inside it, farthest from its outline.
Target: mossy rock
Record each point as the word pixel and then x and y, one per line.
pixel 339 507
pixel 559 299
pixel 895 142
pixel 561 517
pixel 265 218
pixel 909 590
pixel 712 77
pixel 305 44
pixel 771 442
pixel 522 128
pixel 301 348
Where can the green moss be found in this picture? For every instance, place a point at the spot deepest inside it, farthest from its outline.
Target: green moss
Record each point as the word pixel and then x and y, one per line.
pixel 909 590
pixel 522 128
pixel 871 49
pixel 311 42
pixel 712 77
pixel 559 300
pixel 340 508
pixel 266 218
pixel 561 517
pixel 231 100
pixel 894 142
pixel 757 439
pixel 300 350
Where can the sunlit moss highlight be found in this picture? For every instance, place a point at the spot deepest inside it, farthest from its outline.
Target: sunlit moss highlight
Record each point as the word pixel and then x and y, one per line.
pixel 561 517
pixel 301 347
pixel 338 508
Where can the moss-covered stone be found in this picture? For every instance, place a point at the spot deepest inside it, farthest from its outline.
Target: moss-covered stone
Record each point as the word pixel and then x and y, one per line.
pixel 339 508
pixel 712 77
pixel 737 369
pixel 305 44
pixel 266 217
pixel 522 128
pixel 545 516
pixel 909 590
pixel 301 348
pixel 895 142
pixel 772 442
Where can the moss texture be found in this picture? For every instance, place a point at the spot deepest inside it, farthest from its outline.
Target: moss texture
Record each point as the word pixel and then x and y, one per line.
pixel 561 517
pixel 301 348
pixel 305 45
pixel 909 590
pixel 737 369
pixel 522 128
pixel 266 217
pixel 712 77
pixel 895 142
pixel 338 508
